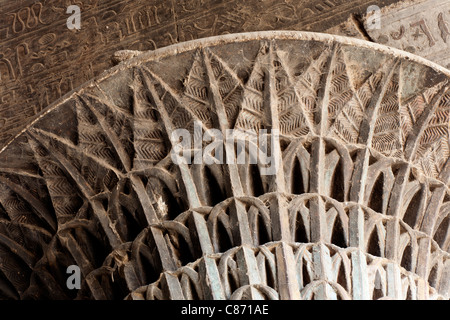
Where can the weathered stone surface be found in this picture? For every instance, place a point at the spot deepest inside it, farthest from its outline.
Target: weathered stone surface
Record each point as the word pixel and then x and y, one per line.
pixel 41 59
pixel 421 27
pixel 418 26
pixel 357 208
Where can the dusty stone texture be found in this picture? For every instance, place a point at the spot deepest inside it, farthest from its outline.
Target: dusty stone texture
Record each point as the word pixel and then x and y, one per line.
pixel 41 59
pixel 357 208
pixel 418 26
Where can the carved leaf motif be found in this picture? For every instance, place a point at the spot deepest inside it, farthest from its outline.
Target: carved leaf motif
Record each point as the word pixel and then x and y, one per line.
pixel 308 85
pixel 438 126
pixel 196 91
pixel 347 215
pixel 293 121
pixel 229 86
pixel 64 196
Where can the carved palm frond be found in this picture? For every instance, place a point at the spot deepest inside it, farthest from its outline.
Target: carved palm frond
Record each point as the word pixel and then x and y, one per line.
pixel 357 208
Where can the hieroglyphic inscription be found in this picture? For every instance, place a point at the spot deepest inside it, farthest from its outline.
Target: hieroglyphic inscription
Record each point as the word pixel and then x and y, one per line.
pixel 421 27
pixel 41 59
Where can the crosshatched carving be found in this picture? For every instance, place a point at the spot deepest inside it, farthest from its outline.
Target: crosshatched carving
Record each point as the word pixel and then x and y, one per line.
pixel 42 59
pixel 358 207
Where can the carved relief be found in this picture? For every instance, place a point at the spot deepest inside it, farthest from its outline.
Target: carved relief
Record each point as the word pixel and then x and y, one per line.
pixel 357 208
pixel 443 27
pixel 26 18
pixel 417 26
pixel 35 36
pixel 7 72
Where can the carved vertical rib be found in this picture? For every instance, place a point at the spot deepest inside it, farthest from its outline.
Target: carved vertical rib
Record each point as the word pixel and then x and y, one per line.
pixel 238 212
pixel 317 171
pixel 168 263
pixel 362 190
pixel 188 181
pixel 210 278
pixel 222 121
pixel 35 203
pixel 287 279
pixel 397 193
pixel 84 187
pixel 359 276
pixel 366 135
pixel 288 286
pixel 192 194
pixel 363 155
pixel 148 142
pixel 412 143
pixel 248 270
pixel 118 147
pixel 429 222
pixel 418 129
pixel 323 272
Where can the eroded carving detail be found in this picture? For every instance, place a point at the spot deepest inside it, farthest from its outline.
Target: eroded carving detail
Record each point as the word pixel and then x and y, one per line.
pixel 418 26
pixel 359 208
pixel 58 54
